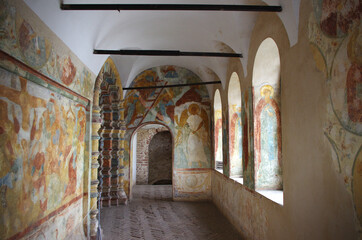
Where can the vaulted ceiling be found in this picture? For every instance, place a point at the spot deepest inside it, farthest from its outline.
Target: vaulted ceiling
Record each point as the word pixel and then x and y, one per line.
pixel 84 31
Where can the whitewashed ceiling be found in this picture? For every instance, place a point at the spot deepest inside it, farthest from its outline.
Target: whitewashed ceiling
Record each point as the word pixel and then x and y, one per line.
pixel 83 31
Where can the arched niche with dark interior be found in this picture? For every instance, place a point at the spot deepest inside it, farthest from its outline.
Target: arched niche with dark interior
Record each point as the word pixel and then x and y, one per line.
pixel 160 159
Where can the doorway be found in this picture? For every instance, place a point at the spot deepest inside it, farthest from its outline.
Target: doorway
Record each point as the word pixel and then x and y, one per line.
pixel 151 156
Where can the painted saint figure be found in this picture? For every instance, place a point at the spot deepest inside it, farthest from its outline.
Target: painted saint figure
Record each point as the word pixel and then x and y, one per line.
pixel 235 134
pixel 267 141
pixel 192 125
pixel 218 140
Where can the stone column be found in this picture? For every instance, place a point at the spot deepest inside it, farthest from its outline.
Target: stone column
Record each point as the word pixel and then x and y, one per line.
pixel 96 124
pixel 106 147
pixel 122 126
pixel 114 90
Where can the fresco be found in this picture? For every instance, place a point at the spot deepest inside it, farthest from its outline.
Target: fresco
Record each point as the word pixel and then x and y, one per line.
pixel 66 220
pixel 225 145
pixel 218 139
pixel 235 134
pixel 41 50
pixel 248 139
pixel 42 154
pixel 190 182
pixel 185 110
pixel 267 141
pixel 335 40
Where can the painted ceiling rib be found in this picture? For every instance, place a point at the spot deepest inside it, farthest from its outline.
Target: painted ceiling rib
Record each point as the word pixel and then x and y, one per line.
pixel 166 53
pixel 172 7
pixel 172 85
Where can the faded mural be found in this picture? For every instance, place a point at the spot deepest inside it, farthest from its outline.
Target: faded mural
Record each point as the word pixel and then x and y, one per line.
pixel 248 139
pixel 42 140
pixel 267 141
pixel 235 134
pixel 218 140
pixel 50 57
pixel 335 40
pixel 235 127
pixel 185 110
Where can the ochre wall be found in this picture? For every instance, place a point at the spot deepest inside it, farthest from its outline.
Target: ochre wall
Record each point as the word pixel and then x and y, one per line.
pixel 320 140
pixel 44 130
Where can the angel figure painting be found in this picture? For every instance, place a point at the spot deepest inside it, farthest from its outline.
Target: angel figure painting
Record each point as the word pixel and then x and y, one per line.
pixel 192 136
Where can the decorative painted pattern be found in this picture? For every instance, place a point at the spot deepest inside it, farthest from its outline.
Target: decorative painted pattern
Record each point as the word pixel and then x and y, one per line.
pixel 335 40
pixel 24 36
pixel 185 110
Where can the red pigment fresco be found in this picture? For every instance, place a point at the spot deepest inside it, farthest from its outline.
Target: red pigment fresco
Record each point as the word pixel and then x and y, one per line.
pixel 354 101
pixel 258 111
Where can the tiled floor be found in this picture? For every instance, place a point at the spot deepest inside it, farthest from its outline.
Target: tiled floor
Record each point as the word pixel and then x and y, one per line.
pixel 153 215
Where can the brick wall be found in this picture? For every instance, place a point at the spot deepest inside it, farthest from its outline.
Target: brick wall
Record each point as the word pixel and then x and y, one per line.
pixel 144 137
pixel 160 158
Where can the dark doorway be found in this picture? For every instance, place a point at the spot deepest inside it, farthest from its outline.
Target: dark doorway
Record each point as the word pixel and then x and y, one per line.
pixel 160 159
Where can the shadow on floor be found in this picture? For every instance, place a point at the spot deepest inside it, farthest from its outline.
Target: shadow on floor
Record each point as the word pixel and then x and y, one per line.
pixel 153 215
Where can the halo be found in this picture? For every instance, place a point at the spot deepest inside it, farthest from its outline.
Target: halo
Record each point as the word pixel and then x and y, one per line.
pixel 194 108
pixel 267 87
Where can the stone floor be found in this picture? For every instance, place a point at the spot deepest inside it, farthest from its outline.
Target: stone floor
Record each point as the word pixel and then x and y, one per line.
pixel 153 215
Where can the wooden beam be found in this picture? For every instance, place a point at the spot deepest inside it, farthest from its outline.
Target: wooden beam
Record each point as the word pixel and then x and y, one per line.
pixel 172 7
pixel 172 86
pixel 166 53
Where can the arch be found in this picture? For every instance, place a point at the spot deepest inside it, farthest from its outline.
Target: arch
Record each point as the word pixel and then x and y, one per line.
pixel 235 126
pixel 267 124
pixel 218 136
pixel 107 82
pixel 132 158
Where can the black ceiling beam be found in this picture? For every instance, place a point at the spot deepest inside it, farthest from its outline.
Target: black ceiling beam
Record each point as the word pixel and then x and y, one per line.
pixel 172 7
pixel 166 53
pixel 172 86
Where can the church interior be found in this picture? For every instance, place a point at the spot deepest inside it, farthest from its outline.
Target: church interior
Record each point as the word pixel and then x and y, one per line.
pixel 252 108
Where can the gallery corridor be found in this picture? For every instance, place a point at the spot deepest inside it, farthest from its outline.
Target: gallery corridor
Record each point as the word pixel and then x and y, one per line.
pixel 153 215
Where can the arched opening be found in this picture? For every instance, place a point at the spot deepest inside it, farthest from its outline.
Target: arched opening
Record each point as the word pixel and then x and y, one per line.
pixel 218 153
pixel 186 112
pixel 267 124
pixel 235 128
pixel 151 156
pixel 160 159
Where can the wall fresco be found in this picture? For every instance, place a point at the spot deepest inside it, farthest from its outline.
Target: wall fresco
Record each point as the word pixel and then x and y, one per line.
pixel 42 136
pixel 185 110
pixel 193 185
pixel 335 40
pixel 235 134
pixel 268 173
pixel 248 139
pixel 31 42
pixel 218 140
pixel 225 145
pixel 61 226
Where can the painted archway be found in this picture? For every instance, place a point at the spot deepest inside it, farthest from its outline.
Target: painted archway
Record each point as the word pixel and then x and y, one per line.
pixel 186 111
